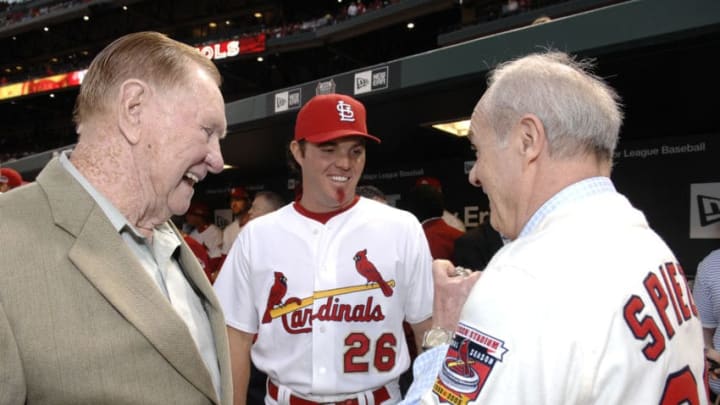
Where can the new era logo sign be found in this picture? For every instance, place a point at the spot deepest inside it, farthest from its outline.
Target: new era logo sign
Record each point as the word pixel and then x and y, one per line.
pixel 708 209
pixel 280 102
pixel 379 78
pixel 371 80
pixel 705 211
pixel 287 100
pixel 361 82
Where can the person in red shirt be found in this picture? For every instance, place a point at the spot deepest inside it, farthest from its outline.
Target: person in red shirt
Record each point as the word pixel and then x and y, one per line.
pixel 201 254
pixel 426 203
pixel 9 179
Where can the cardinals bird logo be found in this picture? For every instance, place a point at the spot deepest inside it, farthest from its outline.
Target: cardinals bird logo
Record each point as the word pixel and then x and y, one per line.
pixel 458 373
pixel 277 292
pixel 368 270
pixel 461 365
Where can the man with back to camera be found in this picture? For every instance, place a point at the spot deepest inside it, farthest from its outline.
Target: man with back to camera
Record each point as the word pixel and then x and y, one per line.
pixel 101 302
pixel 586 304
pixel 264 202
pixel 326 282
pixel 447 216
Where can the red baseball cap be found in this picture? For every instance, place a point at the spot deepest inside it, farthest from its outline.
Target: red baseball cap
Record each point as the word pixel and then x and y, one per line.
pixel 330 116
pixel 238 193
pixel 200 209
pixel 11 177
pixel 430 181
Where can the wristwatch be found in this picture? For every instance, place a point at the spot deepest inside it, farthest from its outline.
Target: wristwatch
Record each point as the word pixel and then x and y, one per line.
pixel 436 336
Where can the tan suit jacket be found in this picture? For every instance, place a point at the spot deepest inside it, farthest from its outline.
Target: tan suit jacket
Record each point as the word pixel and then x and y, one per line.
pixel 81 322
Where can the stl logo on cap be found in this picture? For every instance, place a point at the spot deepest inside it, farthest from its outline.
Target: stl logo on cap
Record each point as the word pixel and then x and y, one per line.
pixel 326 117
pixel 346 111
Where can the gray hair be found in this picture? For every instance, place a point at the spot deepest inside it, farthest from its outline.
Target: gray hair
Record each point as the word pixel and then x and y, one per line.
pixel 580 112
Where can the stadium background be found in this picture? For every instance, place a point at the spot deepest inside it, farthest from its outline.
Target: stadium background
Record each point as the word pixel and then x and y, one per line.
pixel 658 54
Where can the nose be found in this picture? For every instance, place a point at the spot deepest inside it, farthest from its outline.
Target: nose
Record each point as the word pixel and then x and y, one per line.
pixel 214 158
pixel 473 177
pixel 343 161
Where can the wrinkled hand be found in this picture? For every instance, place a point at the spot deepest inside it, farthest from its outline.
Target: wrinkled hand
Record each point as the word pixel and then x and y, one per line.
pixel 451 292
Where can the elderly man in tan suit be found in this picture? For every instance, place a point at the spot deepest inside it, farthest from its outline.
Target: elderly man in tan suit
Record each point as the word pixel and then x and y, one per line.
pixel 101 301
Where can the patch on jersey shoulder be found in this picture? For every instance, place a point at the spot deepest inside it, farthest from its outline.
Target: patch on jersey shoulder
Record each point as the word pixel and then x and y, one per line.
pixel 470 359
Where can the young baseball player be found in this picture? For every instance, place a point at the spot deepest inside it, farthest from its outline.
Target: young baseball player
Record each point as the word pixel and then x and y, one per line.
pixel 586 304
pixel 327 281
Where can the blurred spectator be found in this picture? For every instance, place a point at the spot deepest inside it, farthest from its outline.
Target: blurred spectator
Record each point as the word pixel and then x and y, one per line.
pixel 360 8
pixel 265 202
pixel 352 10
pixel 240 207
pixel 447 216
pixel 477 246
pixel 205 232
pixel 426 203
pixel 511 7
pixel 372 193
pixel 201 253
pixel 9 179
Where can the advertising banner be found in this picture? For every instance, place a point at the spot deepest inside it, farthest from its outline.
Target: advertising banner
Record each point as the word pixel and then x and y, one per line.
pixel 44 84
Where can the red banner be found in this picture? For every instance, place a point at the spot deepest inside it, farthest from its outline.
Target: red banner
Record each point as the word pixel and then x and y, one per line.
pixel 216 51
pixel 44 84
pixel 235 47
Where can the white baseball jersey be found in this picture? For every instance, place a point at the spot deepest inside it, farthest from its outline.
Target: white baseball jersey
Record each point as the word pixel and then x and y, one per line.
pixel 229 234
pixel 591 307
pixel 328 301
pixel 211 237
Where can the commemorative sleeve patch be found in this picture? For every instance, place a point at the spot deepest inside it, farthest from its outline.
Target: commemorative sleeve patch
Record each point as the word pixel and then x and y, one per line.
pixel 471 357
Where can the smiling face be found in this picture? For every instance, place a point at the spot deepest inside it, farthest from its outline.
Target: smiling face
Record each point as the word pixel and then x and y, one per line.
pixel 330 172
pixel 180 143
pixel 496 170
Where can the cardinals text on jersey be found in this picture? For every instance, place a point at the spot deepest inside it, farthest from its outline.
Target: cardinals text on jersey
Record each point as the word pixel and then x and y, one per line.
pixel 297 313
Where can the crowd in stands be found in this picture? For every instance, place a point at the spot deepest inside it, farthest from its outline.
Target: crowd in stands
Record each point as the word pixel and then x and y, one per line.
pixel 353 9
pixel 18 12
pixel 22 13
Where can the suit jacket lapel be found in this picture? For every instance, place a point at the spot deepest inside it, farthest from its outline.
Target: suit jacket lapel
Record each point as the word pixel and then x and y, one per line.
pixel 103 257
pixel 196 276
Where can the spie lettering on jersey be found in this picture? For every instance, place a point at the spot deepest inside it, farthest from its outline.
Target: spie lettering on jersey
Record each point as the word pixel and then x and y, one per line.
pixel 470 359
pixel 670 298
pixel 297 313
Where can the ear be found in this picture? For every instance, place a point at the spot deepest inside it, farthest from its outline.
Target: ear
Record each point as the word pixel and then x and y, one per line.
pixel 133 98
pixel 296 152
pixel 532 136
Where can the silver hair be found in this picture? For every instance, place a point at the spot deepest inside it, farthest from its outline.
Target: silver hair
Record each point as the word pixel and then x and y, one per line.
pixel 579 111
